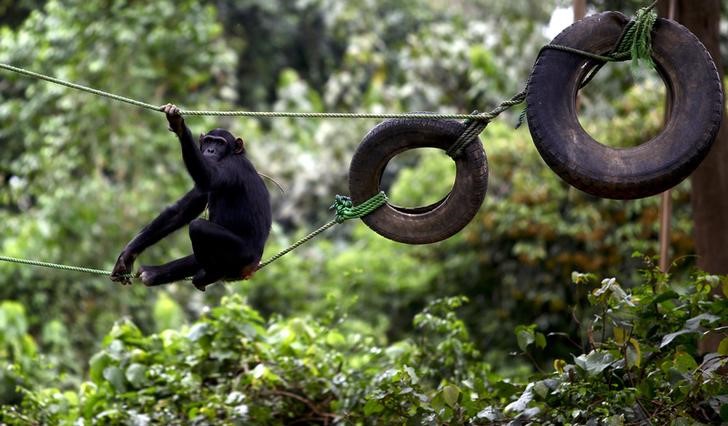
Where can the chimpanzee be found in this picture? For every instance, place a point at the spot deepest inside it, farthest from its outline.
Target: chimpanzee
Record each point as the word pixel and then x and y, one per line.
pixel 227 246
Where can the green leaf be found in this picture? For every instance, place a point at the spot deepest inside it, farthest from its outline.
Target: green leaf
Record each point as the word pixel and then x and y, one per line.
pixel 695 322
pixel 373 406
pixel 334 338
pixel 114 376
pixel 198 330
pixel 684 362
pixel 136 375
pixel 723 347
pixel 668 338
pixel 724 412
pixel 668 295
pixel 691 326
pixel 450 394
pixel 97 364
pixel 525 335
pixel 595 362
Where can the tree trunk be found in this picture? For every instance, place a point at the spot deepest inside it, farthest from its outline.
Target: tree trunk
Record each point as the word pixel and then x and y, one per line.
pixel 710 180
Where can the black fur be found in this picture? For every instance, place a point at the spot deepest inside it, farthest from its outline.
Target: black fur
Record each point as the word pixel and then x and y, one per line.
pixel 229 244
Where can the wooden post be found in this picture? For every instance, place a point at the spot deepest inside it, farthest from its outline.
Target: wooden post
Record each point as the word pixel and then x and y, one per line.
pixel 710 180
pixel 579 7
pixel 665 197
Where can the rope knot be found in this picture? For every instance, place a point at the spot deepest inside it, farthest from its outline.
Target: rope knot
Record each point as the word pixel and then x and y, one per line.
pixel 473 127
pixel 636 40
pixel 345 209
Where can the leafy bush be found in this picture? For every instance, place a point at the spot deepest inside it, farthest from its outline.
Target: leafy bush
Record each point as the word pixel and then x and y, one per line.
pixel 638 360
pixel 532 231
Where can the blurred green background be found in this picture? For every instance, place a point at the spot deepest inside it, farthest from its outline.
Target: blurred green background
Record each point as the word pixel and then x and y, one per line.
pixel 80 175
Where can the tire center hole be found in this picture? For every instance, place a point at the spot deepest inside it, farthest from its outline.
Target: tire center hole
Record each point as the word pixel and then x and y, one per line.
pixel 623 106
pixel 418 177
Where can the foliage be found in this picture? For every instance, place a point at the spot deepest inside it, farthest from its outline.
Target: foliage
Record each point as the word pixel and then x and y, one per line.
pixel 511 261
pixel 640 361
pixel 351 328
pixel 80 175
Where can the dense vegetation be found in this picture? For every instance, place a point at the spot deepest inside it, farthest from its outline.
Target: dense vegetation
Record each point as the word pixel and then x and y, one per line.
pixel 639 365
pixel 506 320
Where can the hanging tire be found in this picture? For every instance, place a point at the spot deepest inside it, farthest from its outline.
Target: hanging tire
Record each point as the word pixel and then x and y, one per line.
pixel 694 96
pixel 420 225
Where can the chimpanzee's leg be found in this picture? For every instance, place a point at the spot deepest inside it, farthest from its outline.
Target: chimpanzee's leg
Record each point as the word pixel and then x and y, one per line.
pixel 175 270
pixel 221 253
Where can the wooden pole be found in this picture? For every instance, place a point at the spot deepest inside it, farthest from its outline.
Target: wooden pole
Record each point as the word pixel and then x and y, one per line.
pixel 665 197
pixel 579 7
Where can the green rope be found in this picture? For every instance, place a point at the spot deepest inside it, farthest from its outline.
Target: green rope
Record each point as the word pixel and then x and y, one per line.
pixel 363 115
pixel 344 207
pixel 345 210
pixel 477 122
pixel 298 243
pixel 55 266
pixel 268 114
pixel 79 87
pixel 635 41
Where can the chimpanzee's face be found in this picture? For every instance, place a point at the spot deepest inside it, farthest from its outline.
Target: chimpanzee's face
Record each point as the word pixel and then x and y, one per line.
pixel 215 148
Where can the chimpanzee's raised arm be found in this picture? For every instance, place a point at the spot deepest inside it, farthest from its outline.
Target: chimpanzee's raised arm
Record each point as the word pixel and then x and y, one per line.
pixel 196 164
pixel 172 218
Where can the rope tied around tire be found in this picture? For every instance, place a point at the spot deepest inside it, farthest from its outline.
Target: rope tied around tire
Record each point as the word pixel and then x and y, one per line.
pixel 694 104
pixel 478 122
pixel 346 210
pixel 635 43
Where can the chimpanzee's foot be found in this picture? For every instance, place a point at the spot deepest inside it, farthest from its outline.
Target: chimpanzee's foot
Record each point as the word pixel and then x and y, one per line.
pixel 150 276
pixel 202 279
pixel 175 270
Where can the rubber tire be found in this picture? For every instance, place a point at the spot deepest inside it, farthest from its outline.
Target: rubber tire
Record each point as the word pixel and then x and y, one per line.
pixel 695 99
pixel 420 225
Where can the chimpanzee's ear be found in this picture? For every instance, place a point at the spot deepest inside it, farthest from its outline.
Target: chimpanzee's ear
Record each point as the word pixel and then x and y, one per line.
pixel 202 135
pixel 239 146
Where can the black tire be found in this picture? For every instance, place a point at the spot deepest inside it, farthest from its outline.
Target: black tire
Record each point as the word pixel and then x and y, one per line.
pixel 694 94
pixel 420 225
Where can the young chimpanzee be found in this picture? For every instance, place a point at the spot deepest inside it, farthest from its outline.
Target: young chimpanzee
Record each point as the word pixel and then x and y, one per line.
pixel 227 246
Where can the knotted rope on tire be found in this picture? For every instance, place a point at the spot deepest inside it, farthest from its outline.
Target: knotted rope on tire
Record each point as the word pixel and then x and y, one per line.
pixel 428 224
pixel 695 106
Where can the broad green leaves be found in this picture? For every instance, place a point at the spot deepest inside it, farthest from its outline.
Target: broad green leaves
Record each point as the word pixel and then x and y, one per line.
pixel 595 362
pixel 527 335
pixel 233 366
